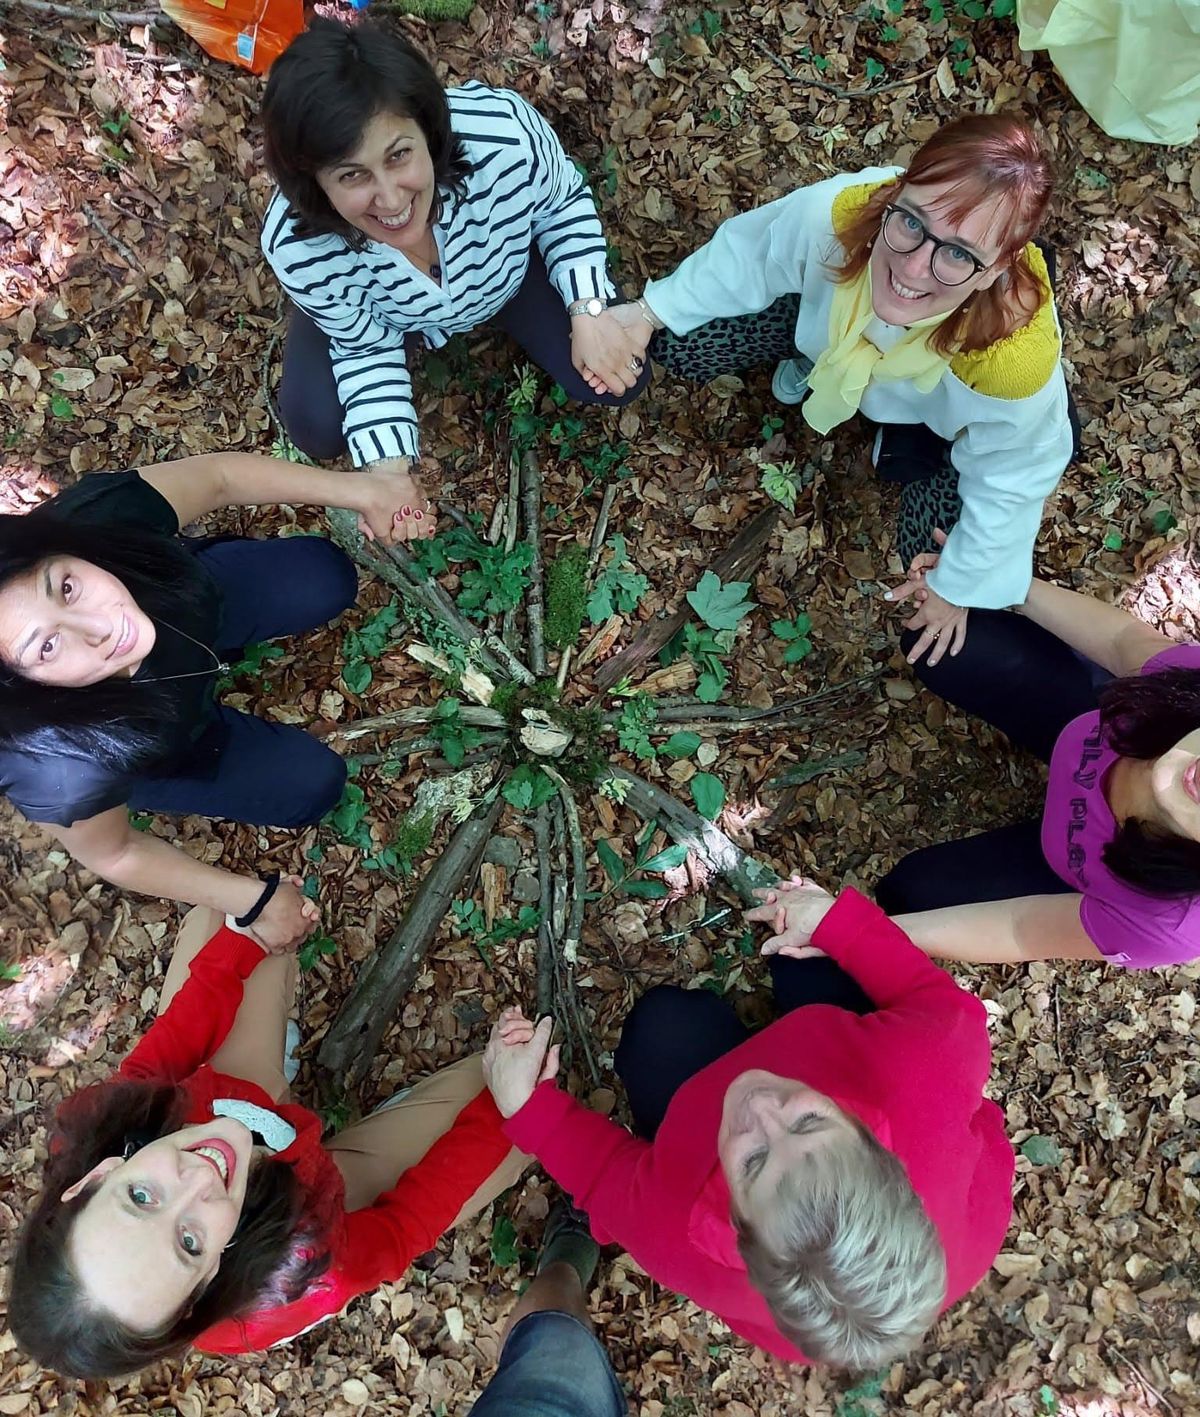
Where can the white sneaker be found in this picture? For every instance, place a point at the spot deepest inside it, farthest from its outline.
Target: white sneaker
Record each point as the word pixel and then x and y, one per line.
pixel 291 1047
pixel 789 383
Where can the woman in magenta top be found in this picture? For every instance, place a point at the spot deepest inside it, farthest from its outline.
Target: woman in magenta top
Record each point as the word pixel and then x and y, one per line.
pixel 826 1186
pixel 1111 870
pixel 189 1201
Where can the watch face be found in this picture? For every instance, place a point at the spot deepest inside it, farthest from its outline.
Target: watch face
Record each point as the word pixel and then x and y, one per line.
pixel 591 306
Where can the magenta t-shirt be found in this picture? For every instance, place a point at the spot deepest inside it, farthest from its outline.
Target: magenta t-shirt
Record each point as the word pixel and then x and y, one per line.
pixel 1125 924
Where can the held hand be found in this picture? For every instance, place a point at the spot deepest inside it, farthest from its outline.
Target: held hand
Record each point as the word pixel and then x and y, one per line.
pixel 288 919
pixel 915 586
pixel 793 909
pixel 517 1058
pixel 942 627
pixel 609 349
pixel 393 505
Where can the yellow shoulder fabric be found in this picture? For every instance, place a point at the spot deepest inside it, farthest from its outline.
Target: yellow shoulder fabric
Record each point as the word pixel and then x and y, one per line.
pixel 1018 365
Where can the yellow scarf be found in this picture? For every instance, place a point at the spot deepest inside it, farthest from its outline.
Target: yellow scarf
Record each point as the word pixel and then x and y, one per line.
pixel 850 361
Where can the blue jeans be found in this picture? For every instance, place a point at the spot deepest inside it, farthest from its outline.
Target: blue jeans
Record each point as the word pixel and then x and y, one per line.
pixel 552 1366
pixel 244 768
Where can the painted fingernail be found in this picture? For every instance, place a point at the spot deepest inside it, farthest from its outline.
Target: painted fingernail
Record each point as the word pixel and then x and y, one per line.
pixel 419 516
pixel 406 511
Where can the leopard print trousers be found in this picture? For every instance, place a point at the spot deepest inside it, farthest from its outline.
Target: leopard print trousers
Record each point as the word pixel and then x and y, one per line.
pixel 738 343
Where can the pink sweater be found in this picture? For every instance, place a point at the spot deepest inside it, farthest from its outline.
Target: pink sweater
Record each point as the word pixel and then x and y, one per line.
pixel 913 1071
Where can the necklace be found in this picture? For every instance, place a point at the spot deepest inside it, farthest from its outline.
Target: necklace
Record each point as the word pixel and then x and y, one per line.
pixel 218 666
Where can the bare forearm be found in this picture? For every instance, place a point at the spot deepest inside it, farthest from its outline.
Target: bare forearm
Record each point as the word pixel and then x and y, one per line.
pixel 149 866
pixel 249 480
pixel 1002 931
pixel 1111 637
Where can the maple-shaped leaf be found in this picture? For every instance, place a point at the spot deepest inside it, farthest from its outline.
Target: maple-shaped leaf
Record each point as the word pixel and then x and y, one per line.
pixel 721 607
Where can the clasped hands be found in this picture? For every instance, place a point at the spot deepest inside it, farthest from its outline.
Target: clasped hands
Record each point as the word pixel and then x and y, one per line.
pixel 392 503
pixel 609 349
pixel 942 626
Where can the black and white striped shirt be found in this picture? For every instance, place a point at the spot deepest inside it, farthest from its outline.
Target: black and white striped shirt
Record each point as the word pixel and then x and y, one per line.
pixel 522 188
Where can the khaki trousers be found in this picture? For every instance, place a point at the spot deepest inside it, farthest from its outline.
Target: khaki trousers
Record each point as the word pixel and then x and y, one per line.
pixel 373 1153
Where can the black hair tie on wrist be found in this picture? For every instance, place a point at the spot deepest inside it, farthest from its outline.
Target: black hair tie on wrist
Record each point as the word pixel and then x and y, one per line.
pixel 270 886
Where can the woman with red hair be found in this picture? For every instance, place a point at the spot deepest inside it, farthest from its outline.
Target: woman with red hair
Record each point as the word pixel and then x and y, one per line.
pixel 918 298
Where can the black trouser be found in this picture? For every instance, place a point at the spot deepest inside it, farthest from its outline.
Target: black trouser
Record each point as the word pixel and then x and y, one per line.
pixel 535 318
pixel 248 769
pixel 672 1033
pixel 1028 683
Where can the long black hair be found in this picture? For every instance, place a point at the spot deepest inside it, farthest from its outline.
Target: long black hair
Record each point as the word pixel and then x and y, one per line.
pixel 118 721
pixel 323 91
pixel 1143 717
pixel 272 1260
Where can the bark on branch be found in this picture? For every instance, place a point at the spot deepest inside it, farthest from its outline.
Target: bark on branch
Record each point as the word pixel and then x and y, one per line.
pixel 352 1042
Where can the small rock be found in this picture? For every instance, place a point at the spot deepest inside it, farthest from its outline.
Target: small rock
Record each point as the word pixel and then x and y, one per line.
pixel 503 851
pixel 525 887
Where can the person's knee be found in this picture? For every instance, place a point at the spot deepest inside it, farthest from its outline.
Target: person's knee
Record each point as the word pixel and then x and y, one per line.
pixel 905 887
pixel 320 778
pixel 314 425
pixel 331 577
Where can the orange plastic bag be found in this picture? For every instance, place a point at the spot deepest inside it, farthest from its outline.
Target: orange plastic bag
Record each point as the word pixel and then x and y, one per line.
pixel 252 33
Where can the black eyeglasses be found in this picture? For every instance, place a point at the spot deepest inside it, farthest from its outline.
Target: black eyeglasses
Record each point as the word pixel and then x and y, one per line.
pixel 950 263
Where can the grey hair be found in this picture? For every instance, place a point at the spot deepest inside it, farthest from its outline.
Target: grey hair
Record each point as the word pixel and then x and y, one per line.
pixel 850 1265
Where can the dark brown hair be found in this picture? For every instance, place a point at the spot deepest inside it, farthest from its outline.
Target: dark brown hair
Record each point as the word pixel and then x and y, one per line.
pixel 982 156
pixel 324 90
pixel 272 1260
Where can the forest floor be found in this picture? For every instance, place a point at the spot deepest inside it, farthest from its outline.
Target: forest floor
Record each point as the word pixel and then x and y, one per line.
pixel 138 323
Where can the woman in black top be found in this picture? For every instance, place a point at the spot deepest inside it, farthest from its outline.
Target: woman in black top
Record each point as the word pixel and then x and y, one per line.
pixel 113 633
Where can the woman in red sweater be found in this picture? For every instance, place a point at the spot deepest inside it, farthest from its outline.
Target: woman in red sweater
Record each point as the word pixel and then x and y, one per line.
pixel 188 1201
pixel 827 1185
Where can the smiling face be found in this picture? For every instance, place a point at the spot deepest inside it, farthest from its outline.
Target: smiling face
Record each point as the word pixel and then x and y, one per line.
pixel 903 286
pixel 385 188
pixel 68 623
pixel 152 1233
pixel 1175 786
pixel 768 1125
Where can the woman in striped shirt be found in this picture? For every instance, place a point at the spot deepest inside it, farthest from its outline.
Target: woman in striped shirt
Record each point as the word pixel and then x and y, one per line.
pixel 407 213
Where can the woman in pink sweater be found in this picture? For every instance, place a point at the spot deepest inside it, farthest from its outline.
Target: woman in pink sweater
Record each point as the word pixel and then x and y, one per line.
pixel 826 1186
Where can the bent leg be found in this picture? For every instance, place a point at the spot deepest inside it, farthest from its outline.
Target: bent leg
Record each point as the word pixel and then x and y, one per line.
pixel 799 982
pixel 552 1365
pixel 537 320
pixel 373 1153
pixel 669 1036
pixel 1002 864
pixel 309 407
pixel 730 345
pixel 253 1047
pixel 282 585
pixel 247 769
pixel 1016 676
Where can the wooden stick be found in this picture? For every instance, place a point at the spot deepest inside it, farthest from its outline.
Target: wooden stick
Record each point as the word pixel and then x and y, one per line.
pixel 77 12
pixel 836 89
pixel 545 934
pixel 474 714
pixel 743 872
pixel 535 596
pixel 735 563
pixel 353 1039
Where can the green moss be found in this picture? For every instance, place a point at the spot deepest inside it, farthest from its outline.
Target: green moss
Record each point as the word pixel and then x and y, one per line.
pixel 511 699
pixel 435 9
pixel 566 595
pixel 413 834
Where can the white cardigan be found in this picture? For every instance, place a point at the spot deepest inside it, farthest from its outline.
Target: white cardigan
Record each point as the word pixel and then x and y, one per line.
pixel 1009 452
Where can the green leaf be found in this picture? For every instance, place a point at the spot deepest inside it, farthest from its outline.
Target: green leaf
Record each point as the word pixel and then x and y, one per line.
pixel 504 1242
pixel 874 69
pixel 1113 541
pixel 356 676
pixel 721 607
pixel 528 788
pixel 61 406
pixel 708 795
pixel 667 859
pixel 647 890
pixel 778 481
pixel 1163 521
pixel 614 867
pixel 681 745
pixel 1001 9
pixel 1041 1151
pixel 797 650
pixel 312 950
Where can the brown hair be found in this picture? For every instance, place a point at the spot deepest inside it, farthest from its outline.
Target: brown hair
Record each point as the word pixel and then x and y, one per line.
pixel 982 156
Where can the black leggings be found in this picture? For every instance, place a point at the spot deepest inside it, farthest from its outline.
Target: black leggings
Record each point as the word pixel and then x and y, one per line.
pixel 535 318
pixel 1028 683
pixel 672 1033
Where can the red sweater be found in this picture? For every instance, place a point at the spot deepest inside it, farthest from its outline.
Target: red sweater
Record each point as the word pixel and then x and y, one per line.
pixel 367 1247
pixel 913 1071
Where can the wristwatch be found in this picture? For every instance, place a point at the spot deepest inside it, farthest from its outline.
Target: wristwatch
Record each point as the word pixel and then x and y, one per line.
pixel 592 306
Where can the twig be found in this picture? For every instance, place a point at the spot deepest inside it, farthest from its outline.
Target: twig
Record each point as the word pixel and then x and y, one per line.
pixel 535 597
pixel 714 919
pixel 351 1043
pixel 574 930
pixel 800 773
pixel 566 991
pixel 76 12
pixel 836 89
pixel 119 246
pixel 508 521
pixel 599 531
pixel 405 747
pixel 743 872
pixel 474 714
pixel 545 935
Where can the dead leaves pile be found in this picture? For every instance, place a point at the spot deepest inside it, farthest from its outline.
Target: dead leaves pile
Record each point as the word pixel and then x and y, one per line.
pixel 137 323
